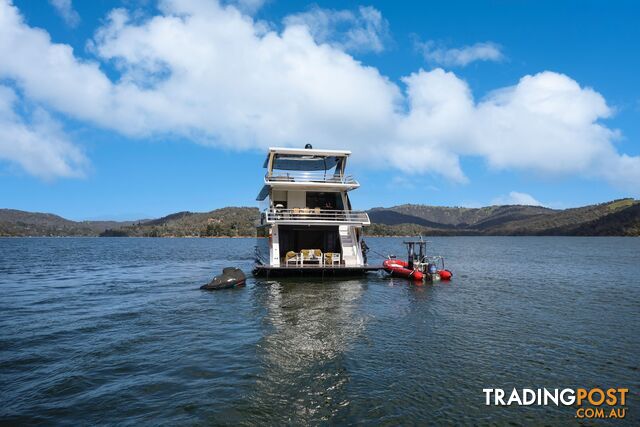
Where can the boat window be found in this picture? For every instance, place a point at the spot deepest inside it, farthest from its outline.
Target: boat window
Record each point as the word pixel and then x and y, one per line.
pixel 279 199
pixel 322 200
pixel 293 162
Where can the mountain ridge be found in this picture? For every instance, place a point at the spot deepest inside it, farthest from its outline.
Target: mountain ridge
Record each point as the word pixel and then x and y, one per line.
pixel 615 218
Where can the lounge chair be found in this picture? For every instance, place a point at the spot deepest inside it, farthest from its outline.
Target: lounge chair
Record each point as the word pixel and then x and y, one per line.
pixel 311 255
pixel 292 257
pixel 331 258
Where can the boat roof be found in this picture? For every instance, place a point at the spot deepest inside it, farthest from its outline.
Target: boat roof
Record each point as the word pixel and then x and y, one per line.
pixel 306 186
pixel 309 151
pixel 264 192
pixel 304 159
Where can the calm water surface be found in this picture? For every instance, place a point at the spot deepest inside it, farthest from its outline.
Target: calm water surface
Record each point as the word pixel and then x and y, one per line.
pixel 116 331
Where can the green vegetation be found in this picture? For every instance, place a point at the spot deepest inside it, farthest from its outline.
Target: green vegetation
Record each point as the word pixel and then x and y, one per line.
pixel 225 222
pixel 622 203
pixel 20 223
pixel 616 218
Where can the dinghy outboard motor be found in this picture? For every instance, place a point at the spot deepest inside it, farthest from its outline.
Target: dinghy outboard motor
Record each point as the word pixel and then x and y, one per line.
pixel 231 277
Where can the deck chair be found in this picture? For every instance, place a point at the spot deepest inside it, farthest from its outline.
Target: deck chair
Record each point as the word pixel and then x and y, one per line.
pixel 328 257
pixel 331 258
pixel 292 257
pixel 311 255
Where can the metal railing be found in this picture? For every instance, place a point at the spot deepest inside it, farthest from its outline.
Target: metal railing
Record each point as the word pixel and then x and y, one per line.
pixel 315 215
pixel 308 176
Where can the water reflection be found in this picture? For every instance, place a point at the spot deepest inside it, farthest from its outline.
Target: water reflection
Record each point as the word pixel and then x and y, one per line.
pixel 310 327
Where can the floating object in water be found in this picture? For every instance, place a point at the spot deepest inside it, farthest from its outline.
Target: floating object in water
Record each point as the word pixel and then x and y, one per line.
pixel 231 277
pixel 308 227
pixel 401 269
pixel 445 274
pixel 419 266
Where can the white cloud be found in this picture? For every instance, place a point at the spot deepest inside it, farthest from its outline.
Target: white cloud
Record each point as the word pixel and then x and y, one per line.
pixel 436 53
pixel 516 198
pixel 364 31
pixel 66 11
pixel 40 146
pixel 247 6
pixel 212 74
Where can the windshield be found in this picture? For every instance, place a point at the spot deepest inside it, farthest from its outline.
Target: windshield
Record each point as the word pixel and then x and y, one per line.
pixel 292 162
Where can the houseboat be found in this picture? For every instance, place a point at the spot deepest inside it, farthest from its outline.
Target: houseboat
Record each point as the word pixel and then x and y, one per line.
pixel 306 222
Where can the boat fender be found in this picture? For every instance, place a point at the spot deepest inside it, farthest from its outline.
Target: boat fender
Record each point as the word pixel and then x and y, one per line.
pixel 416 275
pixel 445 274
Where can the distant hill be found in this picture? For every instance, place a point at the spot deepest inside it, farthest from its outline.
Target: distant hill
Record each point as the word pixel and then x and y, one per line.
pixel 220 222
pixel 454 218
pixel 20 223
pixel 622 222
pixel 225 222
pixel 616 218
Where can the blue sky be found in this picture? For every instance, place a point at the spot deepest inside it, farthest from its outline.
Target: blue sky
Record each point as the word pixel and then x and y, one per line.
pixel 125 127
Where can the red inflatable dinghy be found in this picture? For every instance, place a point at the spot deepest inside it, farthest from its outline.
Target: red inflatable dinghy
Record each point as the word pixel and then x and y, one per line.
pixel 423 267
pixel 400 268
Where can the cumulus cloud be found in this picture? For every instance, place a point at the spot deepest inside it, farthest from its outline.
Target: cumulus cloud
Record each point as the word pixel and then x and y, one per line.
pixel 361 31
pixel 211 74
pixel 516 198
pixel 65 9
pixel 436 53
pixel 247 6
pixel 39 146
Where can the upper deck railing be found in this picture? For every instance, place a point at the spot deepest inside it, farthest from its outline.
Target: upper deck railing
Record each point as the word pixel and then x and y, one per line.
pixel 308 176
pixel 315 215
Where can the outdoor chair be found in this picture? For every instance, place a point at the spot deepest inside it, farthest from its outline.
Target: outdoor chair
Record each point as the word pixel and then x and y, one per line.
pixel 311 255
pixel 278 210
pixel 292 257
pixel 331 258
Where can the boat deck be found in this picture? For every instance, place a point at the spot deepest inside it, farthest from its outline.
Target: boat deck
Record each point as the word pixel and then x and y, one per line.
pixel 313 270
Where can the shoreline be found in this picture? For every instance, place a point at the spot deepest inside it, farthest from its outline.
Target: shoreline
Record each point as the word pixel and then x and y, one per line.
pixel 254 237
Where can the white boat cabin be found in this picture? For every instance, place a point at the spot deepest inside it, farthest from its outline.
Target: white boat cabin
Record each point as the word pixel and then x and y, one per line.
pixel 306 217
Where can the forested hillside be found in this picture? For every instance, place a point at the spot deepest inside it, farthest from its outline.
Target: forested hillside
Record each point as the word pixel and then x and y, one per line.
pixel 616 218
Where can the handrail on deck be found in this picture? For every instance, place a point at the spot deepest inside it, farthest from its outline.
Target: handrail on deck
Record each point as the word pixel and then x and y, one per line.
pixel 310 176
pixel 316 215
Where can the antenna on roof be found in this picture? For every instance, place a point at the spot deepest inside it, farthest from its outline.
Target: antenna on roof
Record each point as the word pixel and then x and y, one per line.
pixel 308 147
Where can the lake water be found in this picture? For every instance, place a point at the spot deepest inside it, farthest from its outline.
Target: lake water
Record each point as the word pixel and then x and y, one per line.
pixel 116 331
